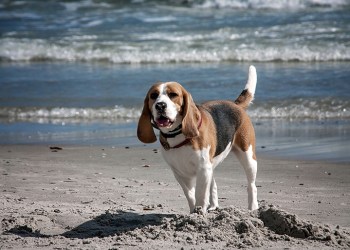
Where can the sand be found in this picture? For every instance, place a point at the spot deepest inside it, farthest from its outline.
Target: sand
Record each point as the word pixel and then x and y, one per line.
pixel 82 197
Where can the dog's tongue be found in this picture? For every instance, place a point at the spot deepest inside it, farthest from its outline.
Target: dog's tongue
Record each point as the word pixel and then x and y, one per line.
pixel 163 121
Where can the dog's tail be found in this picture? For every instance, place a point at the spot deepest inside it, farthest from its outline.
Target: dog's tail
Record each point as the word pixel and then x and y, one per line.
pixel 247 95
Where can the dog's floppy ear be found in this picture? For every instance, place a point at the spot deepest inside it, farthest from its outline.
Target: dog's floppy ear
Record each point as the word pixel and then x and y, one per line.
pixel 145 131
pixel 191 116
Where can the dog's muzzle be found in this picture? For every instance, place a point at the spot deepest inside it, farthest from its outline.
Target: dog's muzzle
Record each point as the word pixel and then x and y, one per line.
pixel 162 120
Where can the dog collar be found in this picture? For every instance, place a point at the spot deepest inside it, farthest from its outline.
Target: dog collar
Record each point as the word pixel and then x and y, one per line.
pixel 170 134
pixel 167 147
pixel 165 143
pixel 173 133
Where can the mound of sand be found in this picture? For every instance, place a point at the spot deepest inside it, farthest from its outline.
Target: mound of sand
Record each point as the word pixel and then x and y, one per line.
pixel 226 227
pixel 238 229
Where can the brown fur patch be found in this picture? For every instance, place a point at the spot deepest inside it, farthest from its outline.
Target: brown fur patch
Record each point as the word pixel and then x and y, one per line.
pixel 244 99
pixel 207 134
pixel 245 134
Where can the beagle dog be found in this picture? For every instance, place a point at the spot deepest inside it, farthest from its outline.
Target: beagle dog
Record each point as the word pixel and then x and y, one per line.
pixel 196 138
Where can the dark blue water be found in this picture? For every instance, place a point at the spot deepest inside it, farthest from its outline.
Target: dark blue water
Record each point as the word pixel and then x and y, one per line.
pixel 113 91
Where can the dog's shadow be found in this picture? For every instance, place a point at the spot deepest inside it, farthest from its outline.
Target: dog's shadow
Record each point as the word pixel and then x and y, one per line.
pixel 104 225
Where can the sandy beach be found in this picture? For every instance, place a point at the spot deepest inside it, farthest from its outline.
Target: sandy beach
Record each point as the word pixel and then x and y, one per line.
pixel 85 197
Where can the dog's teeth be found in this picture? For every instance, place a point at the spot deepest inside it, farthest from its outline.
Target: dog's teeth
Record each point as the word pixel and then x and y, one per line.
pixel 163 122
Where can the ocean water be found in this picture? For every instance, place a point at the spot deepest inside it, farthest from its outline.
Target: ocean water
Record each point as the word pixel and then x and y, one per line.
pixel 74 72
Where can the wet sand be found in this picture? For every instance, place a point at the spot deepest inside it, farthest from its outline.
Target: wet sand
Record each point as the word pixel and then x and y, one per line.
pixel 82 197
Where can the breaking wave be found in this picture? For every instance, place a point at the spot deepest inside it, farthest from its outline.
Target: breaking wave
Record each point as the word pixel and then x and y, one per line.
pixel 292 109
pixel 327 108
pixel 17 50
pixel 270 4
pixel 64 114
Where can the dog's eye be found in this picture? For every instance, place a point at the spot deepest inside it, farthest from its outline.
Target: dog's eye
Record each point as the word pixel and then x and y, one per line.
pixel 172 95
pixel 154 96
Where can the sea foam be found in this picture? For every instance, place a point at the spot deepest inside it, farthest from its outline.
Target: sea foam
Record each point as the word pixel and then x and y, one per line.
pixel 291 109
pixel 270 4
pixel 13 49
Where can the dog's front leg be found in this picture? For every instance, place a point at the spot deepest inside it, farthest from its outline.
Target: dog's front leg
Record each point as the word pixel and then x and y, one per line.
pixel 188 186
pixel 204 179
pixel 214 203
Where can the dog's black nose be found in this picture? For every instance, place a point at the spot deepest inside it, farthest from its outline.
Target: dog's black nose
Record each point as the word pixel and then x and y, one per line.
pixel 160 106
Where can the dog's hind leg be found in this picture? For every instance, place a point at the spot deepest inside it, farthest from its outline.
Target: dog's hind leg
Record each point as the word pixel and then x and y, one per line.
pixel 250 167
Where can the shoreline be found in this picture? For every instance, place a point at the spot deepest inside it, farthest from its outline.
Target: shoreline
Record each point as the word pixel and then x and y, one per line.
pixel 52 191
pixel 310 140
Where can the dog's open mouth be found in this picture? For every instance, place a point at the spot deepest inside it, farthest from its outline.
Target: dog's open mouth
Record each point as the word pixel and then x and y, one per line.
pixel 163 121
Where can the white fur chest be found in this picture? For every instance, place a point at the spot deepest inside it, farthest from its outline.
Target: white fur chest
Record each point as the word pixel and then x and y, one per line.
pixel 185 161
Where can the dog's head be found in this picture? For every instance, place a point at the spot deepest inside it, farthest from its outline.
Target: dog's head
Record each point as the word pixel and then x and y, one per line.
pixel 168 105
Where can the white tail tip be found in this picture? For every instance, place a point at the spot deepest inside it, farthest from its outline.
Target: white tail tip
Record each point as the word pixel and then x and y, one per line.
pixel 252 78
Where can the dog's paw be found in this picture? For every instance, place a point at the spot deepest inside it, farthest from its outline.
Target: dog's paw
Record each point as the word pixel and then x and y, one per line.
pixel 199 210
pixel 214 208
